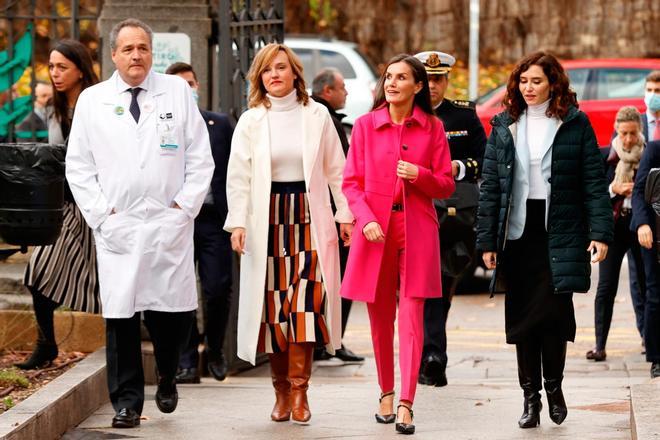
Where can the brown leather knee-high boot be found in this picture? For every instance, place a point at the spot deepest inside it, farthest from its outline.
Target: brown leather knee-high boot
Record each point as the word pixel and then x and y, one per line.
pixel 279 369
pixel 300 369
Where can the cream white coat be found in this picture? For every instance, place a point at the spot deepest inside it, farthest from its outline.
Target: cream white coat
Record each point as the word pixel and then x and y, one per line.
pixel 248 197
pixel 145 249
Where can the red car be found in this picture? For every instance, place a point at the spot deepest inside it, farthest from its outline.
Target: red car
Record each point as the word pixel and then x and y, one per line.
pixel 603 86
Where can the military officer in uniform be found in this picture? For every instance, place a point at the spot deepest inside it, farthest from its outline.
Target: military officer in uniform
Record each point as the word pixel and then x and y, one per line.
pixel 467 142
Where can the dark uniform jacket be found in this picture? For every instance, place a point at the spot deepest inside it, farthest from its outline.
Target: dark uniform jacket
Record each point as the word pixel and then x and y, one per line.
pixel 220 133
pixel 642 212
pixel 466 135
pixel 336 119
pixel 579 210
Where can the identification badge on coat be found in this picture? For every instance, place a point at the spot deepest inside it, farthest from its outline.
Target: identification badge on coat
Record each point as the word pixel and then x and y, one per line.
pixel 167 137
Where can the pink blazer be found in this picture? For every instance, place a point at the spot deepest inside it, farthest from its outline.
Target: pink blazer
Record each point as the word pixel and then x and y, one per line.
pixel 369 181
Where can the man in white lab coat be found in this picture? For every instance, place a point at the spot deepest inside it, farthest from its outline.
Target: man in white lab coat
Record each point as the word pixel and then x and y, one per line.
pixel 139 165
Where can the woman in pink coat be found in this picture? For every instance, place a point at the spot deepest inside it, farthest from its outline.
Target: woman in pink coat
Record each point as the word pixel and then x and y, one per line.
pixel 398 162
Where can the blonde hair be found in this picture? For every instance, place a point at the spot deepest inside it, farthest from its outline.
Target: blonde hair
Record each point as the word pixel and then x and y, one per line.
pixel 261 61
pixel 628 114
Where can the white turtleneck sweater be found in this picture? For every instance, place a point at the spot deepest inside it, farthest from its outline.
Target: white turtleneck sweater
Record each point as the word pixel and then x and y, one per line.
pixel 539 127
pixel 286 138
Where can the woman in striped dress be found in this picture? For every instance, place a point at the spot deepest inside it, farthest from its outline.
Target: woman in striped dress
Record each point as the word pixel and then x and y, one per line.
pixel 285 154
pixel 63 273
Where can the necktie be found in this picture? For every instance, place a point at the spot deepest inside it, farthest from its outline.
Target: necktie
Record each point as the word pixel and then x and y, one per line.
pixel 135 108
pixel 656 132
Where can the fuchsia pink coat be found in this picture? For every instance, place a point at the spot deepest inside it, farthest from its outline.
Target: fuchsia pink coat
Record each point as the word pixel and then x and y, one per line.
pixel 369 181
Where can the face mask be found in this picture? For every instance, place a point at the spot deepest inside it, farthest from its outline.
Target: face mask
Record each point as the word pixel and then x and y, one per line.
pixel 195 96
pixel 652 101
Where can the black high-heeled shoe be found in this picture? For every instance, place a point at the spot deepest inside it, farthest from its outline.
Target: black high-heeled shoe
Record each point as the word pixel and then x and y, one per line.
pixel 405 428
pixel 385 418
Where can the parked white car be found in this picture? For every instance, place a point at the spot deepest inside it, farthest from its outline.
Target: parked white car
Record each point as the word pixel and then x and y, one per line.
pixel 359 75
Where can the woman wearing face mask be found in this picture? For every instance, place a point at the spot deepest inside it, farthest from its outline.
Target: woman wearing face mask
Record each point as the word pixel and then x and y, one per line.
pixel 63 273
pixel 544 210
pixel 397 164
pixel 623 161
pixel 285 154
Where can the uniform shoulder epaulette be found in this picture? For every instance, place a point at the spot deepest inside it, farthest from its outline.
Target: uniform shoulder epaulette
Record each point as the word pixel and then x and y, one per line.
pixel 460 103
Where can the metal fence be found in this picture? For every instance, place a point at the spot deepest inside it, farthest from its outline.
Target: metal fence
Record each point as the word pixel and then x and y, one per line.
pixel 27 30
pixel 242 28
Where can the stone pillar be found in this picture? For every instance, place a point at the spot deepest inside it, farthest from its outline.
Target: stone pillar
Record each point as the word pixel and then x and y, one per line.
pixel 190 17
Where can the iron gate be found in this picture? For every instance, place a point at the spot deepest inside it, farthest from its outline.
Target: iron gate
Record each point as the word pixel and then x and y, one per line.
pixel 242 28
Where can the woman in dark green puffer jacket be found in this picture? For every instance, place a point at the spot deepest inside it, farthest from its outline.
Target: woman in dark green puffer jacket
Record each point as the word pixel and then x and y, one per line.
pixel 543 209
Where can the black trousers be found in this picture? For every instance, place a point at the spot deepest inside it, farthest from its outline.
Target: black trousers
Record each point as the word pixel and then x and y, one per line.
pixel 345 303
pixel 652 305
pixel 213 256
pixel 436 311
pixel 608 276
pixel 637 294
pixel 168 331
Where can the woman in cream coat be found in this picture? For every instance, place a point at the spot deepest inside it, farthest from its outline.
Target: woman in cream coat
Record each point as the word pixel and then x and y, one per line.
pixel 285 154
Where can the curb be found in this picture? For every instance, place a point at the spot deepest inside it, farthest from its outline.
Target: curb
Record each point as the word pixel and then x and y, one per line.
pixel 60 405
pixel 644 408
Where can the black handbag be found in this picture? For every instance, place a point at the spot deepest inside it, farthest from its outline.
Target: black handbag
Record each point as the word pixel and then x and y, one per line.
pixel 457 216
pixel 652 199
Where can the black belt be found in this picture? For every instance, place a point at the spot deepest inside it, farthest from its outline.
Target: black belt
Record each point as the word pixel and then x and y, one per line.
pixel 397 207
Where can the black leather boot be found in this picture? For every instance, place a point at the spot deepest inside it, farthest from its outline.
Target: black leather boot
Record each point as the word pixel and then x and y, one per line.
pixel 41 357
pixel 556 403
pixel 528 355
pixel 531 416
pixel 554 359
pixel 45 351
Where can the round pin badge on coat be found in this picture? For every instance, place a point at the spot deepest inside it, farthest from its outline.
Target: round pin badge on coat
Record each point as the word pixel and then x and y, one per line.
pixel 119 110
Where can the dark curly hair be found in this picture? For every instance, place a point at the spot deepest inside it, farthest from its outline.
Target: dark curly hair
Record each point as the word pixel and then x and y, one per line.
pixel 561 95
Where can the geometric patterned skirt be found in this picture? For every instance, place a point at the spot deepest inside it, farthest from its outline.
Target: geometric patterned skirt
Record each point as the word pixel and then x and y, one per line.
pixel 65 271
pixel 295 297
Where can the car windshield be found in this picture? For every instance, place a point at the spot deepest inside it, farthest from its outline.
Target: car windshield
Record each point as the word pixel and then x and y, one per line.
pixel 489 94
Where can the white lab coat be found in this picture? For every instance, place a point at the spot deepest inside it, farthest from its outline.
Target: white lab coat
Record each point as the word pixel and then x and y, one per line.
pixel 248 197
pixel 145 249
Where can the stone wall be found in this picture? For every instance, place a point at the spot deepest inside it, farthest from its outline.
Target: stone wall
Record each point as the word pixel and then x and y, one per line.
pixel 508 28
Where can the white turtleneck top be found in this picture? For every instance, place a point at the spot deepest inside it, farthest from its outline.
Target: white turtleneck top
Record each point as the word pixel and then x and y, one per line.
pixel 539 127
pixel 286 138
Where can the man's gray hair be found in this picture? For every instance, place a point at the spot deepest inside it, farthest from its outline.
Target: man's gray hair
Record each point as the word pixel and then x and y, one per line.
pixel 326 77
pixel 130 22
pixel 628 114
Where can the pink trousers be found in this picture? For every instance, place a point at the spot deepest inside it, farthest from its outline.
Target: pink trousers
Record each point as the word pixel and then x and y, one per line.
pixel 382 314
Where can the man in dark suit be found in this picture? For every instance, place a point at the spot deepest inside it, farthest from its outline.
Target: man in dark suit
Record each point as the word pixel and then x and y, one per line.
pixel 643 222
pixel 467 142
pixel 213 253
pixel 328 89
pixel 36 123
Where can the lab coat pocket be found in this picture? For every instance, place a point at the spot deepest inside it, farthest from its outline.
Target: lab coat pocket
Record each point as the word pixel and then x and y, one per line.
pixel 175 230
pixel 117 234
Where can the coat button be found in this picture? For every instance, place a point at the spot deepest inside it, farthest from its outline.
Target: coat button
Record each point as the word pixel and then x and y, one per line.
pixel 408 124
pixel 549 179
pixel 405 147
pixel 508 166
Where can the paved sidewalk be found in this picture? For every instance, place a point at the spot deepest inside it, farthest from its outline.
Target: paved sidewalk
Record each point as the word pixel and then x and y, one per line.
pixel 482 400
